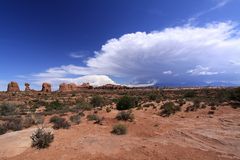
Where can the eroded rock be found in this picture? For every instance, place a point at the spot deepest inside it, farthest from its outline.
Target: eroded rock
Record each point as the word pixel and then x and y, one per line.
pixel 46 87
pixel 13 87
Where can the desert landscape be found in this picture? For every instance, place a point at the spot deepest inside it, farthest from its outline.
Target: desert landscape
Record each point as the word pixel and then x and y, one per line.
pixel 119 80
pixel 118 122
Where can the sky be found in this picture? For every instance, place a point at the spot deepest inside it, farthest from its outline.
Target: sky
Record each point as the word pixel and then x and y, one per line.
pixel 130 42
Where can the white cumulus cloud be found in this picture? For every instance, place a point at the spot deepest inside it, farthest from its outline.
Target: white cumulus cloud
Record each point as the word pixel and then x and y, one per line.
pixel 184 50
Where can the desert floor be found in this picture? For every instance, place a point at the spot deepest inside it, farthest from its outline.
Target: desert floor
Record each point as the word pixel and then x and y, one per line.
pixel 183 136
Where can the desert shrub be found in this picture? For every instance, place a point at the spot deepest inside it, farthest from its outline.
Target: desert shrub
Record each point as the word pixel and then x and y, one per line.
pixel 55 105
pixel 3 128
pixel 97 101
pixel 203 106
pixel 54 119
pixel 169 108
pixel 7 109
pixel 15 124
pixel 127 102
pixel 41 138
pixel 153 96
pixel 235 94
pixel 194 107
pixel 125 116
pixel 108 109
pixel 210 112
pixel 189 94
pixel 213 108
pixel 38 119
pixel 212 104
pixel 82 105
pixel 28 121
pixel 181 102
pixel 59 122
pixel 93 117
pixel 75 119
pixel 119 129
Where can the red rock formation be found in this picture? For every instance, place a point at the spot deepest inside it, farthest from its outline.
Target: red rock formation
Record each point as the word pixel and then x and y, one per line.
pixel 86 86
pixel 46 87
pixel 64 87
pixel 27 87
pixel 13 87
pixel 67 87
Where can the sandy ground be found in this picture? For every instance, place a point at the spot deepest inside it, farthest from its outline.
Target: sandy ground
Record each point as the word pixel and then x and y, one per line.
pixel 184 136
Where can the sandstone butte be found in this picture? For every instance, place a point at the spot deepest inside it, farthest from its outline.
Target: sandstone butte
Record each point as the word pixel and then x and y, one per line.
pixel 13 87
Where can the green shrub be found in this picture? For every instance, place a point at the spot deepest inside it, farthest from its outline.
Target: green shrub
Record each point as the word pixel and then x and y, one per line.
pixel 127 102
pixel 15 124
pixel 155 95
pixel 7 109
pixel 75 119
pixel 235 94
pixel 54 119
pixel 169 108
pixel 181 102
pixel 41 138
pixel 125 116
pixel 82 105
pixel 97 101
pixel 55 105
pixel 194 107
pixel 93 117
pixel 3 128
pixel 189 94
pixel 119 129
pixel 59 122
pixel 28 122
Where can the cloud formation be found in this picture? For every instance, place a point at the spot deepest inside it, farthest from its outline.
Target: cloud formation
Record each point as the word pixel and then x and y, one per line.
pixel 193 54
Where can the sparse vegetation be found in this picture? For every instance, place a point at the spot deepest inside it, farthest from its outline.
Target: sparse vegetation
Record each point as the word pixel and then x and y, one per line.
pixel 125 116
pixel 119 129
pixel 41 138
pixel 55 105
pixel 7 109
pixel 93 117
pixel 15 124
pixel 189 94
pixel 59 122
pixel 3 128
pixel 235 94
pixel 169 108
pixel 75 119
pixel 82 105
pixel 97 101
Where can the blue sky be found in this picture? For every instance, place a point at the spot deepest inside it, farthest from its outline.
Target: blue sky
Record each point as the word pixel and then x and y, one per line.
pixel 166 42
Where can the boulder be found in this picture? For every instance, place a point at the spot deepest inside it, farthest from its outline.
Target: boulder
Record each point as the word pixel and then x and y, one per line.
pixel 46 87
pixel 13 87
